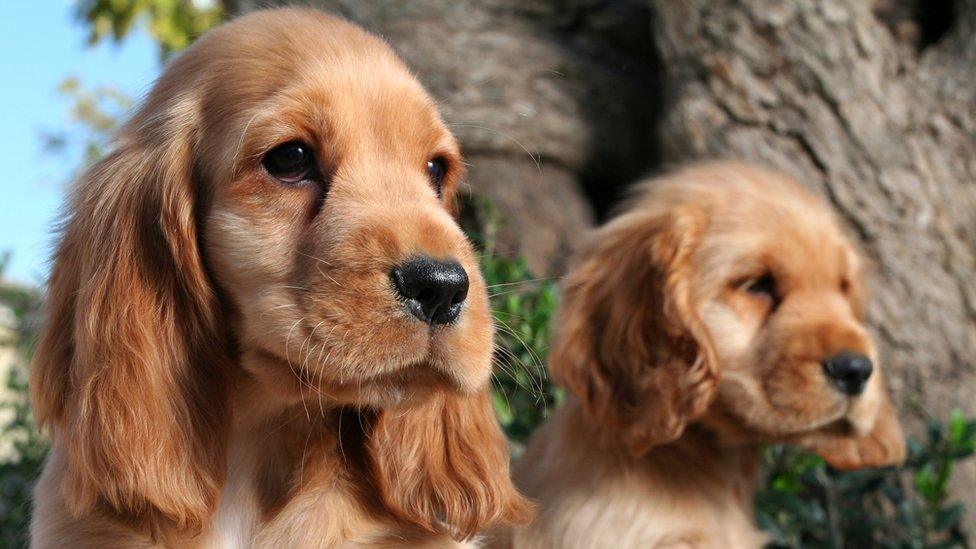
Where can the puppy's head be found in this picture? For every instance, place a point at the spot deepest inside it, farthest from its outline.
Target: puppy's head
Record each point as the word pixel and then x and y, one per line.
pixel 328 226
pixel 280 201
pixel 727 294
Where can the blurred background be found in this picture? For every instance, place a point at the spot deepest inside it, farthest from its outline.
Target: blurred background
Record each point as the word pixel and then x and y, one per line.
pixel 560 105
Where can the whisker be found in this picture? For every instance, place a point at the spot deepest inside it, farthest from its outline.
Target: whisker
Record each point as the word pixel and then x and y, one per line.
pixel 514 367
pixel 292 368
pixel 319 259
pixel 510 315
pixel 342 450
pixel 301 473
pixel 519 282
pixel 501 389
pixel 505 292
pixel 534 156
pixel 535 357
pixel 240 143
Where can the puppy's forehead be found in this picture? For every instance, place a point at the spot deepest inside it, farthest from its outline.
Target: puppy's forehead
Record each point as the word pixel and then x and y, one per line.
pixel 299 74
pixel 761 220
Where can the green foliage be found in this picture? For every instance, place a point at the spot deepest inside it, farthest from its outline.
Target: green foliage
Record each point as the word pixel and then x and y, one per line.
pixel 20 463
pixel 173 23
pixel 93 115
pixel 22 448
pixel 95 112
pixel 522 307
pixel 807 504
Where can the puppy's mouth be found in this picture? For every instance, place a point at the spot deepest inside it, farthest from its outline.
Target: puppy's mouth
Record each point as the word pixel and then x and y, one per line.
pixel 380 388
pixel 844 419
pixel 844 427
pixel 411 377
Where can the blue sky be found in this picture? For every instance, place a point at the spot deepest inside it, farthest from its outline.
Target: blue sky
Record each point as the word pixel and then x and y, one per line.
pixel 41 45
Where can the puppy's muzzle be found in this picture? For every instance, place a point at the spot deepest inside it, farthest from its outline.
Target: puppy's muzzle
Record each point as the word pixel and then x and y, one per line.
pixel 432 290
pixel 849 372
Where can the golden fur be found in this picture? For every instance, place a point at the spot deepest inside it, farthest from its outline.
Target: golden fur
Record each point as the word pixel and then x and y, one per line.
pixel 679 373
pixel 225 361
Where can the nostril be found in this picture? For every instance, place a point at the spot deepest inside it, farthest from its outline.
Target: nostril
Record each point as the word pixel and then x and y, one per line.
pixel 850 371
pixel 459 297
pixel 433 290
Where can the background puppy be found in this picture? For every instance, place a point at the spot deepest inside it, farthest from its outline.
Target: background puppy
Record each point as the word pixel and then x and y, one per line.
pixel 723 309
pixel 265 327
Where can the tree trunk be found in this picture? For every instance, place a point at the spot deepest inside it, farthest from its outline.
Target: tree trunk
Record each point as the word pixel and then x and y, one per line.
pixel 885 131
pixel 560 103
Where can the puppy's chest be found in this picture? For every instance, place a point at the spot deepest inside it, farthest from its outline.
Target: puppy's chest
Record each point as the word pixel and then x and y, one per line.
pixel 260 509
pixel 237 520
pixel 624 516
pixel 314 509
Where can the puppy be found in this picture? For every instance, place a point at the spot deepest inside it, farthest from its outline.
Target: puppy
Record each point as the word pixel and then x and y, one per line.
pixel 265 328
pixel 722 310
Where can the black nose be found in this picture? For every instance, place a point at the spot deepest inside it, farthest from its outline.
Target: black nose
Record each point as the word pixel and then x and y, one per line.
pixel 434 290
pixel 850 371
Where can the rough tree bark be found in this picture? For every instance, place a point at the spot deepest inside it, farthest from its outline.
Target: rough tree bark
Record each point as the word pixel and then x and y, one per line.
pixel 559 104
pixel 822 90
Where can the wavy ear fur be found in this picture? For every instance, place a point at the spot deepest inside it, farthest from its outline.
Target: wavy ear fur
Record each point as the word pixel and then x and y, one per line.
pixel 629 343
pixel 129 365
pixel 443 466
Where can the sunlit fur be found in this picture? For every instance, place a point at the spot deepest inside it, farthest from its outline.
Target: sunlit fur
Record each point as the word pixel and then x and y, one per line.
pixel 679 374
pixel 225 362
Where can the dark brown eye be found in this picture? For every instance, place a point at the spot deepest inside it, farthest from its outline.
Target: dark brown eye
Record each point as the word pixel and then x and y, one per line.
pixel 436 169
pixel 292 162
pixel 764 285
pixel 845 285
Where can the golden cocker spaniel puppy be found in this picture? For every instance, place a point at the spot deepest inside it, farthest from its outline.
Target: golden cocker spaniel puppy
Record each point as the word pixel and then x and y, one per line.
pixel 722 310
pixel 265 328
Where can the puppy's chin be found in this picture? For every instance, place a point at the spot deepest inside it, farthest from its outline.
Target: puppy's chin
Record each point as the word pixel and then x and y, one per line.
pixel 852 416
pixel 399 389
pixel 747 406
pixel 405 386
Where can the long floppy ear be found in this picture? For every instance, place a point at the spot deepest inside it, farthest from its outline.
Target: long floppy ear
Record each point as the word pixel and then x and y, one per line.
pixel 882 444
pixel 129 370
pixel 629 343
pixel 443 466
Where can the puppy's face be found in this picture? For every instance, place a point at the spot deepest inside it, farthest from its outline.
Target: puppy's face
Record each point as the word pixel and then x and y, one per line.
pixel 780 292
pixel 725 295
pixel 328 225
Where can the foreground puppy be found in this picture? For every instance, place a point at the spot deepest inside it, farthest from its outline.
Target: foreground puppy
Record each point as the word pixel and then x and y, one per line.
pixel 265 328
pixel 722 310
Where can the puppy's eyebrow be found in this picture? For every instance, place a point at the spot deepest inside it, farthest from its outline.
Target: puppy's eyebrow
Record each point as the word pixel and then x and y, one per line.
pixel 263 132
pixel 244 134
pixel 751 267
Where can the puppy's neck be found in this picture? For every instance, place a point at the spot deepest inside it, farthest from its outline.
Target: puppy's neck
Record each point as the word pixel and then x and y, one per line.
pixel 703 458
pixel 703 455
pixel 281 450
pixel 696 490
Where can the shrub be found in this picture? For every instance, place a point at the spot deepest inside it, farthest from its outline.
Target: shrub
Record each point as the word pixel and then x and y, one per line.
pixel 522 307
pixel 804 503
pixel 22 449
